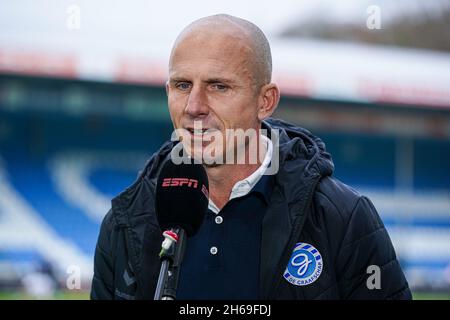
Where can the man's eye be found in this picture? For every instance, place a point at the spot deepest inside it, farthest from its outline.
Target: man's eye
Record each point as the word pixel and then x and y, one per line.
pixel 183 85
pixel 220 87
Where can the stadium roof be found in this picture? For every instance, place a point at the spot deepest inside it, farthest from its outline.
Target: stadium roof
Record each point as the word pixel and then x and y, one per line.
pixel 110 46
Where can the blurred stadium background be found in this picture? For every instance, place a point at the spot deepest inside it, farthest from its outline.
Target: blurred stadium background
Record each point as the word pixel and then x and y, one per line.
pixel 83 105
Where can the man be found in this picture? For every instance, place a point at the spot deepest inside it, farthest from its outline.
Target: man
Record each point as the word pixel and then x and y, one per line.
pixel 296 234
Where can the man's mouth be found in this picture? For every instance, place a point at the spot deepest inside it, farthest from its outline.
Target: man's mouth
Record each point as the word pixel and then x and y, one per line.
pixel 196 131
pixel 200 132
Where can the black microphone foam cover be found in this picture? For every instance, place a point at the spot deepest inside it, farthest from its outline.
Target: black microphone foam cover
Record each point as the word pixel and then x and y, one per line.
pixel 182 194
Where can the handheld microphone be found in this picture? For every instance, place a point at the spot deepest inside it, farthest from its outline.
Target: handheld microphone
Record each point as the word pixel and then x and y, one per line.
pixel 181 201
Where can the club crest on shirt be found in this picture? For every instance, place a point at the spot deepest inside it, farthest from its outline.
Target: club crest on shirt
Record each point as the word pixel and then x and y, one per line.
pixel 305 265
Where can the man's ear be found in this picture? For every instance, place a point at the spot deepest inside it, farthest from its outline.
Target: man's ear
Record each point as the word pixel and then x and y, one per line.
pixel 268 100
pixel 167 87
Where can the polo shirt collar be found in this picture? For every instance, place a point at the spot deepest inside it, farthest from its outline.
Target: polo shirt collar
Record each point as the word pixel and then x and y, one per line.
pixel 243 187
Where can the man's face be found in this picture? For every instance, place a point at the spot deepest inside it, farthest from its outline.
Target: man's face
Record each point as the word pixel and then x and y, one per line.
pixel 211 80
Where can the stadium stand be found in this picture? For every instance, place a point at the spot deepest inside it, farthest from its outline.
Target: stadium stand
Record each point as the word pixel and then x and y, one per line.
pixel 59 170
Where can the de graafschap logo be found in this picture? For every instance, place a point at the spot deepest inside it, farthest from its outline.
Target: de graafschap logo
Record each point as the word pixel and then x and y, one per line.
pixel 305 265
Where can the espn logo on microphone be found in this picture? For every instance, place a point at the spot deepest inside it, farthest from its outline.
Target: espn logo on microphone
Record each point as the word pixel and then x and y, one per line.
pixel 179 182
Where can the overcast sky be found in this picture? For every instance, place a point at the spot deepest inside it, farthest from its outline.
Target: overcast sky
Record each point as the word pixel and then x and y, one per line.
pixel 114 24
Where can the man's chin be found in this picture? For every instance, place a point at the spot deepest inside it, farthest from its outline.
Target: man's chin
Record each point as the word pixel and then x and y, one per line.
pixel 212 165
pixel 206 159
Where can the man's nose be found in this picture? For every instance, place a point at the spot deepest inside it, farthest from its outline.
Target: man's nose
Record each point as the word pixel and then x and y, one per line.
pixel 197 104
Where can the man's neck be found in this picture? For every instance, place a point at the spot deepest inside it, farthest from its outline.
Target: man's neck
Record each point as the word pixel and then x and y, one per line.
pixel 222 178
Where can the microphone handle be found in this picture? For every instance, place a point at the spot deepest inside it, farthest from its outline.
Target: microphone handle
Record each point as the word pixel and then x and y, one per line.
pixel 171 285
pixel 161 279
pixel 167 284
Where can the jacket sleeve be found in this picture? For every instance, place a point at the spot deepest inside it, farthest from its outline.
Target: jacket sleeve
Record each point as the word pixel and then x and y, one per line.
pixel 367 266
pixel 102 282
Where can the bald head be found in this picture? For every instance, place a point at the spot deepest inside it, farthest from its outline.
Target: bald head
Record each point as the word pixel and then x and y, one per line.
pixel 235 34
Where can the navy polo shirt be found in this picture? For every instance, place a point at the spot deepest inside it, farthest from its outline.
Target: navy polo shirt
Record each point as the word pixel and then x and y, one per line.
pixel 222 260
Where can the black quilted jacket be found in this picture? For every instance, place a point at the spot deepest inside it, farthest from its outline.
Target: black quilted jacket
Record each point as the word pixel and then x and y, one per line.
pixel 307 205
